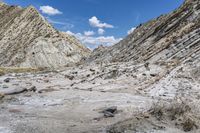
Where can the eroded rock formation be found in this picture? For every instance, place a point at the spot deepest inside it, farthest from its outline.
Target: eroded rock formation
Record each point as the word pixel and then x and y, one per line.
pixel 28 40
pixel 149 82
pixel 171 36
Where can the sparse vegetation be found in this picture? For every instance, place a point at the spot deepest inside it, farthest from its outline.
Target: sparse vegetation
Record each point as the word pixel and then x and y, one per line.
pixel 177 113
pixel 1 96
pixel 5 70
pixel 1 72
pixel 173 111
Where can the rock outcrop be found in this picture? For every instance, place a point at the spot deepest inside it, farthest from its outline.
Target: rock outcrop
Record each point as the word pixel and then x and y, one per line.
pixel 149 82
pixel 28 40
pixel 174 36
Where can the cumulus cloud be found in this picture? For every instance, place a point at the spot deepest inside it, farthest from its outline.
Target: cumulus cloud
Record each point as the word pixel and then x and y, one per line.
pixel 49 10
pixel 131 30
pixel 89 33
pixel 101 31
pixel 95 22
pixel 93 42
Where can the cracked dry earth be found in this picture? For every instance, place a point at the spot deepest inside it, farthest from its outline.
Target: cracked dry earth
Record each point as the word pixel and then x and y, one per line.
pixel 71 100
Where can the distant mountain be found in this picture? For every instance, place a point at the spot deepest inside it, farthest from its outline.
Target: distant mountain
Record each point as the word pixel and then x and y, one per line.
pixel 174 36
pixel 28 40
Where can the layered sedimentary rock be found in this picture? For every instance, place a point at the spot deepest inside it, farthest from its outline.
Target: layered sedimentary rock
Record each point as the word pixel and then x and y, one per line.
pixel 150 85
pixel 171 36
pixel 28 40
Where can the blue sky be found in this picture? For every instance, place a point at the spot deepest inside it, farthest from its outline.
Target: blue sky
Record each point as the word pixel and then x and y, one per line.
pixel 106 21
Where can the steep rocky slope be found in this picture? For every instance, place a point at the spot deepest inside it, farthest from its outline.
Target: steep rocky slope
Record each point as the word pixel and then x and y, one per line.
pixel 172 36
pixel 28 40
pixel 152 86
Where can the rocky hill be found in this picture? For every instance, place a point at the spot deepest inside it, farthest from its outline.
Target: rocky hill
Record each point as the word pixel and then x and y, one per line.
pixel 171 36
pixel 149 82
pixel 28 40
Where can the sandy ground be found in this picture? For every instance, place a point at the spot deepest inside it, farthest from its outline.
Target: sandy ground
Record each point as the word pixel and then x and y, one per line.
pixel 71 100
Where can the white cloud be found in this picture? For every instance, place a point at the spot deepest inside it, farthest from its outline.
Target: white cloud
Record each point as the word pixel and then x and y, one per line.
pixel 131 30
pixel 95 22
pixel 64 24
pixel 89 33
pixel 93 42
pixel 49 10
pixel 101 31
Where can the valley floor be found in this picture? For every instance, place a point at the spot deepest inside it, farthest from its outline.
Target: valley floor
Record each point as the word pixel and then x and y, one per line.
pixel 113 98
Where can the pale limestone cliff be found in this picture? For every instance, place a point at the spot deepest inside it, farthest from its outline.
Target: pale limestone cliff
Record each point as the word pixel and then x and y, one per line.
pixel 149 82
pixel 28 40
pixel 172 36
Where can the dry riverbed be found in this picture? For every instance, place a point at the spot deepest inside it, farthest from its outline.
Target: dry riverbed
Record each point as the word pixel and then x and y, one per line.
pixel 98 98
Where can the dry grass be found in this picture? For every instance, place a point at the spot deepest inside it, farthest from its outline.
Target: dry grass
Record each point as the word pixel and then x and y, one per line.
pixel 172 111
pixel 1 96
pixel 6 70
pixel 1 72
pixel 177 112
